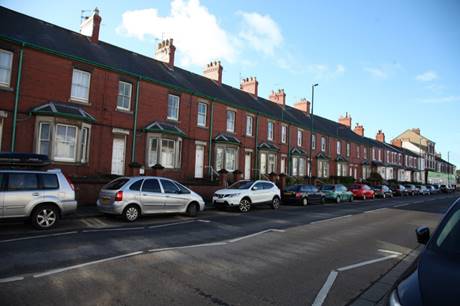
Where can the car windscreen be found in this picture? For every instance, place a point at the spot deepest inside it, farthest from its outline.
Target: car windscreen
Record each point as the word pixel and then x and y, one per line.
pixel 447 239
pixel 241 185
pixel 116 184
pixel 355 187
pixel 328 187
pixel 292 188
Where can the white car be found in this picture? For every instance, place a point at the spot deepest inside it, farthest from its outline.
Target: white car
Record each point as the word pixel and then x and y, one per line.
pixel 244 194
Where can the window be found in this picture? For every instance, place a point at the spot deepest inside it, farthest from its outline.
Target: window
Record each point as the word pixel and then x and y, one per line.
pixel 313 142
pixel 263 163
pixel 230 159
pixel 299 166
pixel 124 95
pixel 283 165
pixel 283 133
pixel 323 168
pixel 270 130
pixel 44 138
pixel 80 85
pixel 1 132
pixel 230 121
pixel 348 149
pixel 84 145
pixel 342 169
pixel 22 181
pixel 173 107
pixel 151 185
pixel 299 138
pixel 169 187
pixel 249 123
pixel 226 158
pixel 267 163
pixel 295 165
pixel 302 167
pixel 380 155
pixel 136 186
pixel 323 144
pixel 202 111
pixel 339 147
pixel 65 143
pixel 6 62
pixel 373 154
pixel 365 153
pixel 48 181
pixel 358 151
pixel 164 151
pixel 271 163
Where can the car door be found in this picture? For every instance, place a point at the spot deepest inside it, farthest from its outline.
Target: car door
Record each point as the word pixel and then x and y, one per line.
pixel 315 195
pixel 21 190
pixel 152 197
pixel 257 193
pixel 268 193
pixel 175 199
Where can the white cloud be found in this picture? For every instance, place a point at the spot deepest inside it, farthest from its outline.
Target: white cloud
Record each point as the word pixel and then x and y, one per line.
pixel 197 35
pixel 261 32
pixel 323 71
pixel 440 100
pixel 427 76
pixel 377 72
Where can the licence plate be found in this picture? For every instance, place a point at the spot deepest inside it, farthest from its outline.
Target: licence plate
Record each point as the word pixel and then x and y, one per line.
pixel 105 200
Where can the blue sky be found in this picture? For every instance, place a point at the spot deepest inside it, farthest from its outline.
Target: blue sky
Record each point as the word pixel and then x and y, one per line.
pixel 392 65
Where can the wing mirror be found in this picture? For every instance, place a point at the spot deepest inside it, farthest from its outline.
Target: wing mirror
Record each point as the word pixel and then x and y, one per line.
pixel 254 188
pixel 423 234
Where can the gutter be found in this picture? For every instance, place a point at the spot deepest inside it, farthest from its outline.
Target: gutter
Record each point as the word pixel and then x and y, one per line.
pixel 16 99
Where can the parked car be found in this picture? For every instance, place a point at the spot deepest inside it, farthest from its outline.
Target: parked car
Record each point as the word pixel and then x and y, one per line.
pixel 362 191
pixel 411 189
pixel 42 196
pixel 399 190
pixel 303 195
pixel 447 188
pixel 132 197
pixel 382 191
pixel 247 193
pixel 434 276
pixel 337 193
pixel 423 190
pixel 432 189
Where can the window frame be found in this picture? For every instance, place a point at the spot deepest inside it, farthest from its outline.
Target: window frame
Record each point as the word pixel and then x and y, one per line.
pixel 201 114
pixel 283 133
pixel 299 137
pixel 9 69
pixel 270 130
pixel 176 107
pixel 75 150
pixel 313 141
pixel 123 96
pixel 228 120
pixel 249 119
pixel 76 98
pixel 176 151
pixel 323 144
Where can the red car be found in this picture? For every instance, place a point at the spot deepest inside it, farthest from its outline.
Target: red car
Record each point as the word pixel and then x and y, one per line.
pixel 362 191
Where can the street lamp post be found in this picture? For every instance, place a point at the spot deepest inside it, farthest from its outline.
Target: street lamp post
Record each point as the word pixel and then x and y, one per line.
pixel 311 131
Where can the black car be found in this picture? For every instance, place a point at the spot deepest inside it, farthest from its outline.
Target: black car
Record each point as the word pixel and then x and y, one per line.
pixel 434 277
pixel 399 190
pixel 411 189
pixel 382 191
pixel 303 195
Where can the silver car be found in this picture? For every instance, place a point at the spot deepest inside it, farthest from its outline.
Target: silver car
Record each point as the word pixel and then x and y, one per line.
pixel 142 195
pixel 42 196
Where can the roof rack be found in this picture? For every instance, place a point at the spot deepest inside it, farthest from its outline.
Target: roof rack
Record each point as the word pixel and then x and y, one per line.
pixel 23 160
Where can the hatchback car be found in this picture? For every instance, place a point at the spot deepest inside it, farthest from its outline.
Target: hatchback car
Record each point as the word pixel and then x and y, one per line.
pixel 303 195
pixel 337 193
pixel 399 190
pixel 382 191
pixel 132 197
pixel 246 193
pixel 423 190
pixel 434 276
pixel 42 196
pixel 411 189
pixel 362 191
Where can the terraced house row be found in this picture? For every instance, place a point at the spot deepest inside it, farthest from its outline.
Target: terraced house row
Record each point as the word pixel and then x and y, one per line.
pixel 95 108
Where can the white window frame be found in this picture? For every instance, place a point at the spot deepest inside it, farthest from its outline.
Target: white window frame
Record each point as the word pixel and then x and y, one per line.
pixel 177 151
pixel 73 97
pixel 348 149
pixel 339 147
pixel 122 96
pixel 283 134
pixel 313 141
pixel 323 144
pixel 323 168
pixel 358 151
pixel 202 115
pixel 65 159
pixel 49 139
pixel 84 144
pixel 299 137
pixel 173 106
pixel 226 153
pixel 270 130
pixel 231 121
pixel 8 68
pixel 249 125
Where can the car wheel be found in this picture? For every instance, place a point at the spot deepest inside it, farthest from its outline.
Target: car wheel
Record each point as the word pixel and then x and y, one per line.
pixel 351 199
pixel 192 210
pixel 364 196
pixel 245 205
pixel 384 196
pixel 275 203
pixel 45 217
pixel 323 200
pixel 337 200
pixel 304 201
pixel 131 213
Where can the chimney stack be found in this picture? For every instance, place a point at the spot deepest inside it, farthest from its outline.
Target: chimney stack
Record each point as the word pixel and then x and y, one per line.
pixel 165 52
pixel 278 97
pixel 250 85
pixel 91 25
pixel 359 129
pixel 416 131
pixel 380 136
pixel 345 120
pixel 397 143
pixel 303 105
pixel 213 71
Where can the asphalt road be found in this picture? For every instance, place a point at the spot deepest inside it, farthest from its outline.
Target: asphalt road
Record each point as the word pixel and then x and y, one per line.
pixel 264 257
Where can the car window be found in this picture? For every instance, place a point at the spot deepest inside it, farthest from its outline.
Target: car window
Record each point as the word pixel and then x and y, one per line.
pixel 241 185
pixel 314 189
pixel 267 185
pixel 328 187
pixel 182 188
pixel 169 187
pixel 48 181
pixel 448 239
pixel 151 185
pixel 22 181
pixel 136 186
pixel 305 188
pixel 293 188
pixel 259 186
pixel 341 188
pixel 116 184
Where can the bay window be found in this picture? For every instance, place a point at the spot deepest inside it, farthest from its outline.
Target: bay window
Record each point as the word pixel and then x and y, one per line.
pixel 299 166
pixel 323 168
pixel 267 162
pixel 164 151
pixel 342 169
pixel 65 142
pixel 226 158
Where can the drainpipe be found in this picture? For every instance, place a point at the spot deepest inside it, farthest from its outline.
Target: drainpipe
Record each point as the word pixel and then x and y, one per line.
pixel 289 165
pixel 136 105
pixel 256 162
pixel 16 99
pixel 211 124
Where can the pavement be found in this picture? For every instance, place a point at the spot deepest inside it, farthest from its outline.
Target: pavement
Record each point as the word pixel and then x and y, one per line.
pixel 334 254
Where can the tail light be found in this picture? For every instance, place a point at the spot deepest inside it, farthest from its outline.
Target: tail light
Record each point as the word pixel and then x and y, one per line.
pixel 70 182
pixel 119 196
pixel 298 194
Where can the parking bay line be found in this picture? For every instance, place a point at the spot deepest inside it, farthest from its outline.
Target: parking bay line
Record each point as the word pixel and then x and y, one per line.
pixel 39 236
pixel 330 219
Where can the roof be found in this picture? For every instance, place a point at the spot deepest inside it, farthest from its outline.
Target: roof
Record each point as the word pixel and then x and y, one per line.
pixel 267 146
pixel 225 138
pixel 63 110
pixel 164 128
pixel 298 151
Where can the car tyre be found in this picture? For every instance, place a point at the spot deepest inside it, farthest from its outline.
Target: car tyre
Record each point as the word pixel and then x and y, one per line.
pixel 304 201
pixel 192 210
pixel 131 213
pixel 275 203
pixel 245 205
pixel 45 217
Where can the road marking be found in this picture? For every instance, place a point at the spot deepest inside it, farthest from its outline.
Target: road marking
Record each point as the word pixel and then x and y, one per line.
pixel 86 222
pixel 330 219
pixel 390 252
pixel 38 236
pixel 11 279
pixel 100 222
pixel 86 264
pixel 188 247
pixel 367 262
pixel 401 205
pixel 256 234
pixel 322 294
pixel 171 224
pixel 374 210
pixel 112 229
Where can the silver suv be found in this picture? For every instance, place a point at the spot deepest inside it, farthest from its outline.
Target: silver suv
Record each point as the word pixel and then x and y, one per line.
pixel 141 195
pixel 42 196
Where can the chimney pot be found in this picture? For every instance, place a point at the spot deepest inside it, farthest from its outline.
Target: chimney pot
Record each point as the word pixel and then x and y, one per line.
pixel 278 97
pixel 165 52
pixel 303 105
pixel 91 25
pixel 345 120
pixel 250 85
pixel 359 129
pixel 213 71
pixel 380 136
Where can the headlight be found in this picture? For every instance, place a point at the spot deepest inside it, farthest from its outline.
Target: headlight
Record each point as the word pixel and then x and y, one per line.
pixel 232 195
pixel 394 298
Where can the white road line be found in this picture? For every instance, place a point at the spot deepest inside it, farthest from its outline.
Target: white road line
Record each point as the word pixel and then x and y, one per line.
pixel 86 223
pixel 11 279
pixel 204 221
pixel 171 224
pixel 98 221
pixel 256 234
pixel 365 263
pixel 86 264
pixel 330 219
pixel 322 294
pixel 112 229
pixel 374 210
pixel 401 205
pixel 390 252
pixel 188 247
pixel 38 236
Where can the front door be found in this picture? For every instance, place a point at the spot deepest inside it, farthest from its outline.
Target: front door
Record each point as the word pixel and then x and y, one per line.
pixel 199 161
pixel 247 166
pixel 118 156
